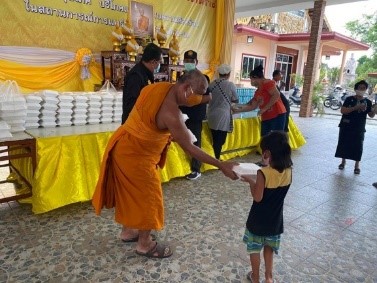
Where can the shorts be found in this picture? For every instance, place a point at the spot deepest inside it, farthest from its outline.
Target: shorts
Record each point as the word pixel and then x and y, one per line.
pixel 256 243
pixel 274 124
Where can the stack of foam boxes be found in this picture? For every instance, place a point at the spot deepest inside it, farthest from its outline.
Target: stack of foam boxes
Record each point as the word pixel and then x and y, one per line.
pixel 94 109
pixel 118 110
pixel 33 105
pixel 64 112
pixel 107 107
pixel 80 109
pixel 49 108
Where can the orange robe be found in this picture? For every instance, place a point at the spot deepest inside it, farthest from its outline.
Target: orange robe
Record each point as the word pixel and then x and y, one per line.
pixel 143 23
pixel 129 179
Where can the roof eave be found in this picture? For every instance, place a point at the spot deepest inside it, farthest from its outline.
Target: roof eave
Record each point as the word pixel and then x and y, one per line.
pixel 294 37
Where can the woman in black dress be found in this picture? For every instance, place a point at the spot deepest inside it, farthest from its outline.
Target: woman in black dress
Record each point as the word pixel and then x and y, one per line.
pixel 352 126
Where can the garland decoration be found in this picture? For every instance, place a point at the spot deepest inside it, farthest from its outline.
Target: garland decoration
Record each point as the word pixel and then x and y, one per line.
pixel 84 57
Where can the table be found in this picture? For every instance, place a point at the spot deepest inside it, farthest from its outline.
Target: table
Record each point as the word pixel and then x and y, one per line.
pixel 16 185
pixel 69 158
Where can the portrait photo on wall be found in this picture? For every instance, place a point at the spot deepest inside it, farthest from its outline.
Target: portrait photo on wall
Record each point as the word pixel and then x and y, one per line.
pixel 142 19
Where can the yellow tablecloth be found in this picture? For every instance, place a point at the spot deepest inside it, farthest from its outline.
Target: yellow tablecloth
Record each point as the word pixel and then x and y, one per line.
pixel 68 166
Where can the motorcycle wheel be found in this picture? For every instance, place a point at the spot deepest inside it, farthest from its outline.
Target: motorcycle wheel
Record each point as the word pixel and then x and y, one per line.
pixel 327 102
pixel 335 105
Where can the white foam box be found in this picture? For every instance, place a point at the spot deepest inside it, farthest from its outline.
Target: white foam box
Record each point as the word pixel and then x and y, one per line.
pixel 246 169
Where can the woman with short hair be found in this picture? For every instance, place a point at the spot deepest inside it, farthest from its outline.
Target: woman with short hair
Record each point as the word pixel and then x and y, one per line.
pixel 352 126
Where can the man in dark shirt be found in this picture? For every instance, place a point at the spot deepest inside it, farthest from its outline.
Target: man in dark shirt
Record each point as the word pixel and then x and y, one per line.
pixel 140 76
pixel 196 114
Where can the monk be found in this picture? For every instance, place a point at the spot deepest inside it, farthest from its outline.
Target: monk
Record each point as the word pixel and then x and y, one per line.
pixel 129 179
pixel 143 22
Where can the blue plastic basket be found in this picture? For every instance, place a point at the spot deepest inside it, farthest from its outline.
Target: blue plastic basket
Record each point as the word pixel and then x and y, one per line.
pixel 245 94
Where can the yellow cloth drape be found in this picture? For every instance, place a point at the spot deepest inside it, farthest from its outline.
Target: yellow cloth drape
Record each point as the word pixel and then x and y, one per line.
pixel 60 77
pixel 226 50
pixel 223 35
pixel 68 166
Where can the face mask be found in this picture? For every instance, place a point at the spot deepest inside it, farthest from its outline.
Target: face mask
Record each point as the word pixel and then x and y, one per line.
pixel 360 92
pixel 157 68
pixel 193 99
pixel 189 66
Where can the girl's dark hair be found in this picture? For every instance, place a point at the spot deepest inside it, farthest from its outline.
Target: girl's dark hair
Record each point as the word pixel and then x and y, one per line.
pixel 362 82
pixel 257 72
pixel 277 143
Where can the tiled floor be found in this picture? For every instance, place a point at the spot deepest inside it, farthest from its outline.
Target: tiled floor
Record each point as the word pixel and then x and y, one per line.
pixel 330 227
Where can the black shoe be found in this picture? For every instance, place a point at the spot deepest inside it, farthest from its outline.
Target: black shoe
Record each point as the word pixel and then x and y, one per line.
pixel 193 175
pixel 375 185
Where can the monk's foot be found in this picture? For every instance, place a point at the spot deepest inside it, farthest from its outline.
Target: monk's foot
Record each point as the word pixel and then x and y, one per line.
pixel 145 248
pixel 129 235
pixel 157 250
pixel 132 235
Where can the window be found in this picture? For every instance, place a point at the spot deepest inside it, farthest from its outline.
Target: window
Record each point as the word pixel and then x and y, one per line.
pixel 249 62
pixel 299 13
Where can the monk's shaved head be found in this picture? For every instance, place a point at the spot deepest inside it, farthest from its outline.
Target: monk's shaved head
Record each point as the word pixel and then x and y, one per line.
pixel 196 79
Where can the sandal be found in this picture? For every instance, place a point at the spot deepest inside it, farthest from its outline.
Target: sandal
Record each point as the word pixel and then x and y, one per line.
pixel 356 171
pixel 249 276
pixel 135 239
pixel 341 166
pixel 158 251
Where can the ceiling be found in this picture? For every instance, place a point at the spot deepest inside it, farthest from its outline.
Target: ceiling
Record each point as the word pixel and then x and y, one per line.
pixel 248 8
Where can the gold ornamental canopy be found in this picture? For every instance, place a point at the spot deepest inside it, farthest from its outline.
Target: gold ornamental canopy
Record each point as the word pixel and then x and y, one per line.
pixel 174 49
pixel 161 35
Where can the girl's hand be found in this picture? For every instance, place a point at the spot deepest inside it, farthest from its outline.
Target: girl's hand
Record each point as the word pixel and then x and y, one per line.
pixel 248 178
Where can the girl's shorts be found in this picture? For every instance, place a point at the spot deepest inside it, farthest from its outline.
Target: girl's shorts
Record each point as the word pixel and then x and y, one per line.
pixel 255 243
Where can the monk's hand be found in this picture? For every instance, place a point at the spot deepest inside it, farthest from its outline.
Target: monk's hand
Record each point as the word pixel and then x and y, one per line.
pixel 227 168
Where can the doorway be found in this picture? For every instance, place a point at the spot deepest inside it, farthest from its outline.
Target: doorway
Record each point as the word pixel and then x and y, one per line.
pixel 284 63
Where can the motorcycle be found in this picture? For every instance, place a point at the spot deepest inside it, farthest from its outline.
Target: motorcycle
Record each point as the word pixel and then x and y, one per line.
pixel 336 98
pixel 294 97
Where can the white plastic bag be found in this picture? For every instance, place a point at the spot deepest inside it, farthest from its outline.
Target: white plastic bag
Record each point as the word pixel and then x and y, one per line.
pixel 108 88
pixel 12 106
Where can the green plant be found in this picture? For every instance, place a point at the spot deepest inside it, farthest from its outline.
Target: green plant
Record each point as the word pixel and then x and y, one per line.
pixel 317 95
pixel 317 98
pixel 297 80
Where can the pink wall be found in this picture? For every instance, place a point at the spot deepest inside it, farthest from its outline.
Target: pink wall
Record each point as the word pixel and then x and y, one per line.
pixel 260 47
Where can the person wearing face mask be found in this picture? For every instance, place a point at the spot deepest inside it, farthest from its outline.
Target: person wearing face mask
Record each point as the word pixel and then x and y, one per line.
pixel 196 114
pixel 267 99
pixel 130 179
pixel 140 76
pixel 352 126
